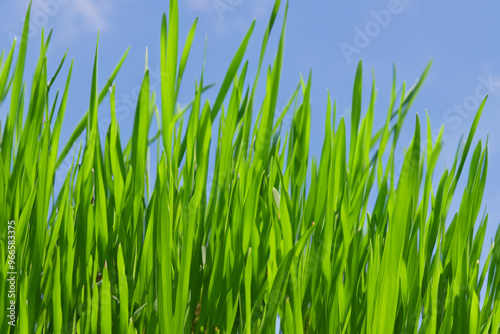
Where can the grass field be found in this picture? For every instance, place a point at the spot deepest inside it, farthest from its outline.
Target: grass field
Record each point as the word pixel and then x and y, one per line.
pixel 279 236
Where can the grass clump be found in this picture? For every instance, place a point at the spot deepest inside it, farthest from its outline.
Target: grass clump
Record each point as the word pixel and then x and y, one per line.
pixel 106 254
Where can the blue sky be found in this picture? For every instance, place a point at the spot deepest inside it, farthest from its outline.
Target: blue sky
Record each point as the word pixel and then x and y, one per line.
pixel 329 37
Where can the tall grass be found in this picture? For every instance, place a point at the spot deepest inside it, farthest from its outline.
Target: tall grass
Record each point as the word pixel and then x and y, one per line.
pixel 277 236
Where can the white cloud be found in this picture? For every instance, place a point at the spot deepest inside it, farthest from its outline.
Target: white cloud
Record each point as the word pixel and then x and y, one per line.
pixel 84 16
pixel 93 13
pixel 73 16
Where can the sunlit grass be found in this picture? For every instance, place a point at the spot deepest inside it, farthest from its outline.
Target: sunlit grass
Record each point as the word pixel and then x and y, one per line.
pixel 259 244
